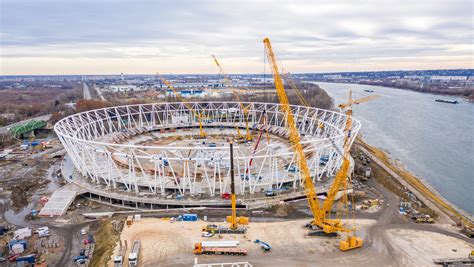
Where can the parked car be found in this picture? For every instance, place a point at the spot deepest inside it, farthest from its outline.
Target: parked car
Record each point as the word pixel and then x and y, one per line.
pixel 269 193
pixel 207 234
pixel 80 258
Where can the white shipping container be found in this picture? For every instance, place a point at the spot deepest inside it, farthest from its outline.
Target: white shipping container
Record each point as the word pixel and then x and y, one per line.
pixel 18 248
pixel 22 233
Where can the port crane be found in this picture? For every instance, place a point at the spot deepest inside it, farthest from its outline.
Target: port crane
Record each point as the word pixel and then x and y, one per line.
pixel 321 219
pixel 202 133
pixel 248 135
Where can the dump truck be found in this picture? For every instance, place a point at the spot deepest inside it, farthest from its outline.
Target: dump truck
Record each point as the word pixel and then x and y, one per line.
pixel 218 248
pixel 135 254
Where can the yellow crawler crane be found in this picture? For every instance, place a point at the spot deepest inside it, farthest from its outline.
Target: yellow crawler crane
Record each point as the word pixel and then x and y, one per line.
pixel 202 133
pixel 235 223
pixel 321 219
pixel 248 135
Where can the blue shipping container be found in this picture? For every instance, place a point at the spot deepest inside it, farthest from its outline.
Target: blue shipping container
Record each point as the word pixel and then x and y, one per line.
pixel 29 258
pixel 190 217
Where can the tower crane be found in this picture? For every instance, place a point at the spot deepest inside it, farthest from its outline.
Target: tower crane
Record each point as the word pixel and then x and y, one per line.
pixel 343 172
pixel 248 135
pixel 202 133
pixel 321 219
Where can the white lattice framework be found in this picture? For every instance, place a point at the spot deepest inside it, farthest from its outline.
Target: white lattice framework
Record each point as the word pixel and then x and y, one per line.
pixel 91 140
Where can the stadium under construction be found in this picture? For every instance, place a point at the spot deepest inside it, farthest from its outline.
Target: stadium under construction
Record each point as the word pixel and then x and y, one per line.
pixel 154 156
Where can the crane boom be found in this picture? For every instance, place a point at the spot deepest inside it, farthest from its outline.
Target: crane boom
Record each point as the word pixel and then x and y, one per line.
pixel 294 135
pixel 357 101
pixel 248 135
pixel 202 133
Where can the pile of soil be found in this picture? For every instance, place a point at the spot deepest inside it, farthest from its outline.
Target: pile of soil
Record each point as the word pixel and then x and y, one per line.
pixel 21 192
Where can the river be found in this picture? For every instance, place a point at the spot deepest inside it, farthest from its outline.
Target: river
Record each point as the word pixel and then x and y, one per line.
pixel 432 140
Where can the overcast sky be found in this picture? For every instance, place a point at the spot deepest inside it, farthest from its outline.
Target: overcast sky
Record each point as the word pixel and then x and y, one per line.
pixel 109 37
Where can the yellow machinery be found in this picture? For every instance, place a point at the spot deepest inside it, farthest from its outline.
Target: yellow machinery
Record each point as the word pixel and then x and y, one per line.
pixel 352 241
pixel 248 135
pixel 233 220
pixel 321 219
pixel 202 133
pixel 239 134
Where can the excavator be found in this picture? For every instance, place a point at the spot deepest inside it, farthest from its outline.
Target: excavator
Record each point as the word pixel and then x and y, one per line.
pixel 248 135
pixel 321 214
pixel 235 223
pixel 202 133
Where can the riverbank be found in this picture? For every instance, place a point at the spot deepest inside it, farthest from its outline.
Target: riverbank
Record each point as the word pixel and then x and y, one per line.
pixel 424 191
pixel 430 139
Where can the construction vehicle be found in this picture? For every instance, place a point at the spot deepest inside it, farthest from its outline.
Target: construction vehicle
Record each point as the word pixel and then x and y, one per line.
pixel 468 231
pixel 218 229
pixel 219 248
pixel 264 245
pixel 467 261
pixel 321 214
pixel 199 115
pixel 118 259
pixel 424 220
pixel 248 135
pixel 129 220
pixel 233 220
pixel 240 137
pixel 135 254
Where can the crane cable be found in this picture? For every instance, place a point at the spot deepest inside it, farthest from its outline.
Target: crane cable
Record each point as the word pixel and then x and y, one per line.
pixel 287 76
pixel 186 104
pixel 234 91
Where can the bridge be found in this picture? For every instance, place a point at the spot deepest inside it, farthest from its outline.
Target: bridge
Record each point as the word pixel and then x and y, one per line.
pixel 27 127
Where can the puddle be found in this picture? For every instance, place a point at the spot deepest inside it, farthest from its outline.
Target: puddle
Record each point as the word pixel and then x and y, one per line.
pixel 16 218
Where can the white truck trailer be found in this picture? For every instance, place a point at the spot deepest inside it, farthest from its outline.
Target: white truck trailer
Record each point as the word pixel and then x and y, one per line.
pixel 135 254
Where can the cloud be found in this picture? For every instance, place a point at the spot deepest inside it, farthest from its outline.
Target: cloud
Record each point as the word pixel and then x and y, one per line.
pixel 179 36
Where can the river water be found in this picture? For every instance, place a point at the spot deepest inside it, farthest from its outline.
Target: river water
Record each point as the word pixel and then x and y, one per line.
pixel 435 141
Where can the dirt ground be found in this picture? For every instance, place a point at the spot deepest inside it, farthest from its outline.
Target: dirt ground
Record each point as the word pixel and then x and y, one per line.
pixel 419 248
pixel 171 244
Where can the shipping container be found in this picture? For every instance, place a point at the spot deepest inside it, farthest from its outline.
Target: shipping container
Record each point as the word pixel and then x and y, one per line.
pixel 190 217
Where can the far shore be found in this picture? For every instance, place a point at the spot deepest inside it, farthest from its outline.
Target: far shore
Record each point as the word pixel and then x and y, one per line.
pixel 467 98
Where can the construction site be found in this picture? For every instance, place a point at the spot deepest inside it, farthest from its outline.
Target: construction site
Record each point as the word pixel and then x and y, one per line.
pixel 230 183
